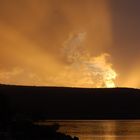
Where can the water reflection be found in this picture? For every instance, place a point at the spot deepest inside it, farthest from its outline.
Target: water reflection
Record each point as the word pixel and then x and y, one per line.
pixel 100 130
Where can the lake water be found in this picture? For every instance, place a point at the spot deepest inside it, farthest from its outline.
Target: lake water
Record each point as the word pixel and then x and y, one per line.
pixel 99 130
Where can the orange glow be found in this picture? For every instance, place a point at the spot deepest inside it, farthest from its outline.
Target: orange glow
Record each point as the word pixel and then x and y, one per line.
pixel 84 69
pixel 26 55
pixel 60 43
pixel 133 79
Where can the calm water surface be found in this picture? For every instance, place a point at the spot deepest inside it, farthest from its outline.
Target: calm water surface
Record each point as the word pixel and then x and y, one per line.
pixel 100 130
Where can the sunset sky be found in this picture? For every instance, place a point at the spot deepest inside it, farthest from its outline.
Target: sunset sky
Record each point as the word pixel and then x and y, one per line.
pixel 86 43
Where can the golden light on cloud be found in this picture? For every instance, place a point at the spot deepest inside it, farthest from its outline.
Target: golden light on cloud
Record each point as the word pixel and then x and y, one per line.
pixel 30 58
pixel 85 70
pixel 59 43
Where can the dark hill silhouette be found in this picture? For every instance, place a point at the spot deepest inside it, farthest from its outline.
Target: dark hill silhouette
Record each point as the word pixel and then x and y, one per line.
pixel 69 103
pixel 21 106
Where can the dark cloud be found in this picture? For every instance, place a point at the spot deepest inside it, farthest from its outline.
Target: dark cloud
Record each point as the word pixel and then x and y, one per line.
pixel 126 39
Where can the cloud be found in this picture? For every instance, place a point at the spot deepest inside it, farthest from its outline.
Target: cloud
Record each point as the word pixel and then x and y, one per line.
pixel 83 69
pixel 34 31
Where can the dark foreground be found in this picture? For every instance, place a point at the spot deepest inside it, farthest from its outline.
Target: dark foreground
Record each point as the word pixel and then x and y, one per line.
pixel 21 106
pixel 27 130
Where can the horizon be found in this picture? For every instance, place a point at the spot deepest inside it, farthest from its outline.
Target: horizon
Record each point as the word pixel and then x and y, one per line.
pixel 39 86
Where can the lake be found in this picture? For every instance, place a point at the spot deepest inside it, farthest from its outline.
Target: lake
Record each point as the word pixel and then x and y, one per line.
pixel 99 129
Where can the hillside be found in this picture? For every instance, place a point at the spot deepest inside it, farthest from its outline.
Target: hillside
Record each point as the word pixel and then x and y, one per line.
pixel 70 103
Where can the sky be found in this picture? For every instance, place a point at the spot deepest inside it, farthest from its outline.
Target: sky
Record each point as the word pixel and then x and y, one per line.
pixel 70 42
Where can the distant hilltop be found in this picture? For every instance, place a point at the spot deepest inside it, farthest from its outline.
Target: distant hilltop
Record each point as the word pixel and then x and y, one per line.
pixel 68 88
pixel 70 103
